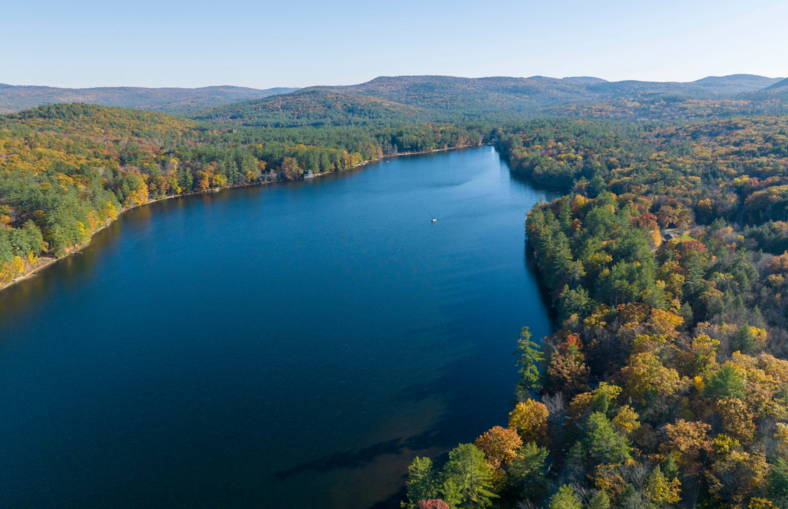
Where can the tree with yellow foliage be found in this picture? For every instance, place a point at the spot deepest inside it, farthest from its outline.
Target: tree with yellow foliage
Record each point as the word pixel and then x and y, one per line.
pixel 662 491
pixel 529 418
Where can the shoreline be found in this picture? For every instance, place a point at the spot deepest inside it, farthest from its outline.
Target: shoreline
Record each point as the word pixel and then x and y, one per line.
pixel 48 260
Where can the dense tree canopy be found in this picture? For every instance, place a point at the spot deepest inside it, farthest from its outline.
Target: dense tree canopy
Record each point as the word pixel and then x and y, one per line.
pixel 667 263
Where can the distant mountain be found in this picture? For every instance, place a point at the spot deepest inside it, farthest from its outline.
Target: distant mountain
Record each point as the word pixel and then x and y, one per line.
pixel 775 93
pixel 469 95
pixel 584 80
pixel 513 94
pixel 313 107
pixel 170 100
pixel 408 99
pixel 736 83
pixel 779 85
pixel 419 98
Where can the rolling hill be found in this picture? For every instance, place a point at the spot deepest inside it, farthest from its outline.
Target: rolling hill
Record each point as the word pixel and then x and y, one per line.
pixel 445 92
pixel 314 107
pixel 169 100
pixel 409 99
pixel 779 85
pixel 390 99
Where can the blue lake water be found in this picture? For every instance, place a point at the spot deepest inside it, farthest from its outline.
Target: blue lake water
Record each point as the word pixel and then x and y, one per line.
pixel 293 345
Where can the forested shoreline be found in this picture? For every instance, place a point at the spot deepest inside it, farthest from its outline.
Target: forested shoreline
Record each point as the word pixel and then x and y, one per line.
pixel 666 384
pixel 66 171
pixel 666 261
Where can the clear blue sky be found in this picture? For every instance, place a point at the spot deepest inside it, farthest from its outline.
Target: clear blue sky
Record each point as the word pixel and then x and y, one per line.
pixel 264 44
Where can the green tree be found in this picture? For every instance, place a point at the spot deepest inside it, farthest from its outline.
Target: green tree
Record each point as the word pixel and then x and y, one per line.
pixel 422 482
pixel 530 356
pixel 777 483
pixel 744 341
pixel 566 498
pixel 470 477
pixel 574 301
pixel 603 444
pixel 724 383
pixel 670 467
pixel 600 501
pixel 527 473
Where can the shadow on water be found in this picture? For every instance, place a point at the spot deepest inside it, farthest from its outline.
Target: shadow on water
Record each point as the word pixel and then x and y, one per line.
pixel 467 411
pixel 544 292
pixel 362 457
pixel 458 398
pixel 465 416
pixel 392 502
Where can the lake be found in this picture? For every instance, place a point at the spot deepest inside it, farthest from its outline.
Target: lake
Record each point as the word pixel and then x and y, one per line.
pixel 292 345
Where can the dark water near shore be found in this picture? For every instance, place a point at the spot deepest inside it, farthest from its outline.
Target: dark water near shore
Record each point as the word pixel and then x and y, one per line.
pixel 290 346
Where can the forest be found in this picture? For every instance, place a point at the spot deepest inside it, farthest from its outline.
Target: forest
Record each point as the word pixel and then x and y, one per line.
pixel 67 170
pixel 666 383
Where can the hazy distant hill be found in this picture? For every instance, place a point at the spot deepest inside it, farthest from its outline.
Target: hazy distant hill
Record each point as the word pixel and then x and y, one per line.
pixel 416 98
pixel 313 107
pixel 170 100
pixel 445 92
pixel 735 83
pixel 471 95
pixel 780 84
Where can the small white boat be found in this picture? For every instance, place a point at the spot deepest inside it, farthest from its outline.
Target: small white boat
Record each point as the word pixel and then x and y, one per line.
pixel 433 220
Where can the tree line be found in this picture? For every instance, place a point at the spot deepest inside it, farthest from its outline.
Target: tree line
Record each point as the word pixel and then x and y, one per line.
pixel 66 170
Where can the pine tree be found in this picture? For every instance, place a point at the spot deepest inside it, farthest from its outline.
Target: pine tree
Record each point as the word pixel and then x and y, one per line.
pixel 422 482
pixel 470 478
pixel 566 498
pixel 530 356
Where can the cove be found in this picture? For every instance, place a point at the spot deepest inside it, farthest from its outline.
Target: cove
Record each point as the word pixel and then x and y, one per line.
pixel 293 345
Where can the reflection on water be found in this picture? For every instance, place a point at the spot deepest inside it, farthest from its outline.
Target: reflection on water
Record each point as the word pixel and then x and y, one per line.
pixel 293 345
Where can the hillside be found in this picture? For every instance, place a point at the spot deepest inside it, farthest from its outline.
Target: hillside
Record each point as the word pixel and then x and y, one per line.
pixel 445 92
pixel 470 95
pixel 169 100
pixel 400 99
pixel 314 107
pixel 779 85
pixel 735 83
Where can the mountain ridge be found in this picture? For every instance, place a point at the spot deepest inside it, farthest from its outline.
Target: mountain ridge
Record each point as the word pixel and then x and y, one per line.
pixel 166 99
pixel 448 98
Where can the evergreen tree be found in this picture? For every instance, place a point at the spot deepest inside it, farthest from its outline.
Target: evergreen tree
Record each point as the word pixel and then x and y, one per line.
pixel 600 501
pixel 725 382
pixel 530 356
pixel 566 498
pixel 670 467
pixel 777 483
pixel 422 482
pixel 603 444
pixel 528 472
pixel 470 478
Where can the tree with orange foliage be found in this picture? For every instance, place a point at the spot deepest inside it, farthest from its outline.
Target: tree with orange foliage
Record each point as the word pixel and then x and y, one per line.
pixel 687 441
pixel 500 445
pixel 567 370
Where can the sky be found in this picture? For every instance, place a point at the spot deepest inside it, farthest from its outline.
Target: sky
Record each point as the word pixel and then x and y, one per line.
pixel 299 43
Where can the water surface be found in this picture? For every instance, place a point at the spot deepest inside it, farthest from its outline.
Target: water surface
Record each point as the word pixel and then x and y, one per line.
pixel 293 345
